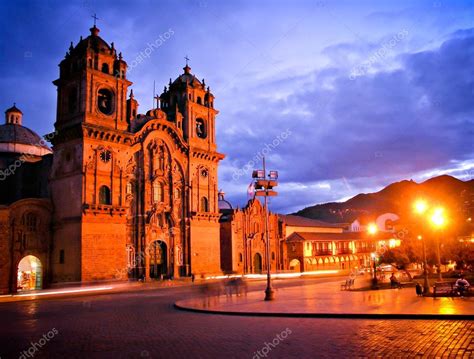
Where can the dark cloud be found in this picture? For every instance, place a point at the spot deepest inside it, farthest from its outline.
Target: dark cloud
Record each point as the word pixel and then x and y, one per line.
pixel 391 124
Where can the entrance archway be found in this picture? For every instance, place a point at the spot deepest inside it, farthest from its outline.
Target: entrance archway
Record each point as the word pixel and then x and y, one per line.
pixel 295 265
pixel 158 260
pixel 257 263
pixel 29 274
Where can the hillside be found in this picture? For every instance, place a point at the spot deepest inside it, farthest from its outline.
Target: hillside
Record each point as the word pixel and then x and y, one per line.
pixel 396 197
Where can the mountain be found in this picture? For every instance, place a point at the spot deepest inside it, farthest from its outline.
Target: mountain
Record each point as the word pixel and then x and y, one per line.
pixel 398 198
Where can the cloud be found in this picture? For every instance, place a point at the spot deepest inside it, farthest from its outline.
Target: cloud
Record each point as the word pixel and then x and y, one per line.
pixel 388 125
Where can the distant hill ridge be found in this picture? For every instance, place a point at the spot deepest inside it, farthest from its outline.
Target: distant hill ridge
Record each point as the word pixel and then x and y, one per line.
pixel 396 197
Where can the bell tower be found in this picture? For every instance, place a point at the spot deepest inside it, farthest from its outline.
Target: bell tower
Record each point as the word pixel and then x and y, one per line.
pixel 91 145
pixel 92 85
pixel 189 103
pixel 191 98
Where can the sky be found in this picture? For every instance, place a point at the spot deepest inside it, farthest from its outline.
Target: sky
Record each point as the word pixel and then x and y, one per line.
pixel 341 97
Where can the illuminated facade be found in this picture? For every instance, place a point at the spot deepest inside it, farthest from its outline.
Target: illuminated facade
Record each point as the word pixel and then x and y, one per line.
pixel 125 195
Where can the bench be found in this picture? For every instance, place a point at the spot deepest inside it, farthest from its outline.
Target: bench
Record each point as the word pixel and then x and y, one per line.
pixel 348 284
pixel 446 288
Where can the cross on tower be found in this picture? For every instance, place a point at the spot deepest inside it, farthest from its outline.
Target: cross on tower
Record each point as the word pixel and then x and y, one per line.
pixel 95 18
pixel 187 59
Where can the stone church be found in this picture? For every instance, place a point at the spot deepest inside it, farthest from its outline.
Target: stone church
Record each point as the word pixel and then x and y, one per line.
pixel 121 194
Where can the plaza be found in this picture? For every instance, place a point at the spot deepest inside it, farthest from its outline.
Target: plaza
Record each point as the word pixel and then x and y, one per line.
pixel 145 324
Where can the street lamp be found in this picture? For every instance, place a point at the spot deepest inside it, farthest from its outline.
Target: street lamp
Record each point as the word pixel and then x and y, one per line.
pixel 372 230
pixel 426 283
pixel 264 187
pixel 438 221
pixel 375 282
pixel 420 207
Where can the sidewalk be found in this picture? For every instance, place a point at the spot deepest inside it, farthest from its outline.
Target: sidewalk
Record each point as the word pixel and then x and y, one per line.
pixel 327 300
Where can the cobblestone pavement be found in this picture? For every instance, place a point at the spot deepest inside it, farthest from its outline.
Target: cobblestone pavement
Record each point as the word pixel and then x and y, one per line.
pixel 145 325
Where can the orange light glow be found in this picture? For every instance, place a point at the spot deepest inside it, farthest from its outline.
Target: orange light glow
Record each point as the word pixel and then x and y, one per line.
pixel 420 206
pixel 438 219
pixel 372 228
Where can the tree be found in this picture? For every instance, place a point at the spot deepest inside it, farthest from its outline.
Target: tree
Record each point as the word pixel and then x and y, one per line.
pixel 401 257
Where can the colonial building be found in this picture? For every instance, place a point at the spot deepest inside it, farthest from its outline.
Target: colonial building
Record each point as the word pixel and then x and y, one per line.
pixel 125 194
pixel 315 245
pixel 25 207
pixel 243 239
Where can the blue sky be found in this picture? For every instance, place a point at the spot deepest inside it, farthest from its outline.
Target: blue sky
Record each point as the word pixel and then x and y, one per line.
pixel 343 97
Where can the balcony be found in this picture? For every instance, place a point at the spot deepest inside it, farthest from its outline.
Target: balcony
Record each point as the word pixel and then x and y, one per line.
pixel 324 252
pixel 344 251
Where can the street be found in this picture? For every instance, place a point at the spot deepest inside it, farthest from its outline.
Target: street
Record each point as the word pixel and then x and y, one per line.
pixel 146 325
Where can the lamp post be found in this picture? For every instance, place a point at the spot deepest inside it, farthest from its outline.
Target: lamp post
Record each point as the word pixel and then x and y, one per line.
pixel 426 283
pixel 372 230
pixel 264 187
pixel 420 208
pixel 375 282
pixel 438 220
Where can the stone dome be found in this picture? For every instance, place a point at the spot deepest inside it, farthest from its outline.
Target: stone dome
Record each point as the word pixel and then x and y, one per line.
pixel 15 138
pixel 222 202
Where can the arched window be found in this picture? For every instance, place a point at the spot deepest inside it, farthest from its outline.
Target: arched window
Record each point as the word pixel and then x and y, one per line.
pixel 105 68
pixel 105 101
pixel 104 196
pixel 204 205
pixel 273 256
pixel 199 100
pixel 201 130
pixel 157 192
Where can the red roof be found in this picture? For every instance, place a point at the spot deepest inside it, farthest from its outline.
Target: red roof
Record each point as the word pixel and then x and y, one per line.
pixel 344 236
pixel 298 221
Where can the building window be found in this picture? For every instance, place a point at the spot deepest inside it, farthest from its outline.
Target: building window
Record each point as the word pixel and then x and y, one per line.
pixel 273 256
pixel 201 130
pixel 105 101
pixel 104 196
pixel 105 68
pixel 157 192
pixel 204 205
pixel 61 256
pixel 241 258
pixel 129 188
pixel 199 100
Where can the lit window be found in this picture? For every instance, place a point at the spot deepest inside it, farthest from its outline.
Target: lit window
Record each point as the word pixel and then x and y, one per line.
pixel 104 195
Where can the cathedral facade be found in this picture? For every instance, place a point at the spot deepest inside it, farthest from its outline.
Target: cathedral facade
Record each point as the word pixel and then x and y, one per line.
pixel 126 195
pixel 243 238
